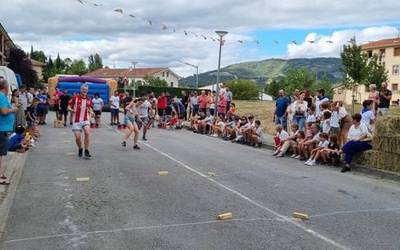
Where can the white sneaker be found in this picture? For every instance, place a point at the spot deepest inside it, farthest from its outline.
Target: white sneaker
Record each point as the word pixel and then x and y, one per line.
pixel 293 156
pixel 214 135
pixel 307 162
pixel 276 153
pixel 311 163
pixel 297 157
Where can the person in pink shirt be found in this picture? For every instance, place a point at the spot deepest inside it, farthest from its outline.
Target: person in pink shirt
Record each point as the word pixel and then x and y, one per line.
pixel 203 101
pixel 221 109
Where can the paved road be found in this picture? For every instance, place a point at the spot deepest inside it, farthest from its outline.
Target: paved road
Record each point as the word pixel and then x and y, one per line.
pixel 126 205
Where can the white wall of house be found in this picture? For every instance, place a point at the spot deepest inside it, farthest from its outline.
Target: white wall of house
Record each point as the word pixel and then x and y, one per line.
pixel 171 78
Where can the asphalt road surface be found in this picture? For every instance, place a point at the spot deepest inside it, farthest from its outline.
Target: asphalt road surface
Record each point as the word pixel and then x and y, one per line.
pixel 127 205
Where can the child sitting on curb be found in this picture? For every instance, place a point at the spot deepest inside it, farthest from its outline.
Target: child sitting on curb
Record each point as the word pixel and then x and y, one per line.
pixel 316 152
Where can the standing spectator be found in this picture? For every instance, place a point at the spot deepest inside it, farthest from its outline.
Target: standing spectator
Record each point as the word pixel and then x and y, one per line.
pixel 299 110
pixel 194 104
pixel 41 108
pixel 98 104
pixel 385 95
pixel 211 102
pixel 321 98
pixel 7 119
pixel 374 97
pixel 358 141
pixel 161 105
pixel 185 101
pixel 203 101
pixel 20 114
pixel 30 94
pixel 23 98
pixel 64 100
pixel 281 105
pixel 367 115
pixel 308 98
pixel 115 109
pixel 221 109
pixel 229 98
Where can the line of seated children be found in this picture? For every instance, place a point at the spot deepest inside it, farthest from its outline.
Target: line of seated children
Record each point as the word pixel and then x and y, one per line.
pixel 32 120
pixel 20 141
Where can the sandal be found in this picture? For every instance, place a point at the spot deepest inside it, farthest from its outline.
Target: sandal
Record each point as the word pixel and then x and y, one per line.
pixel 3 177
pixel 4 182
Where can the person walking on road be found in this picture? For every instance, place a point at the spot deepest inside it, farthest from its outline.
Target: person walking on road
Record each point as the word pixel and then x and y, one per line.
pixel 97 108
pixel 114 100
pixel 64 100
pixel 81 107
pixel 131 119
pixel 143 111
pixel 7 119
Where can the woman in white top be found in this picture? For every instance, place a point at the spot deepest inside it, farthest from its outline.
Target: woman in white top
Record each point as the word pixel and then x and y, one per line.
pixel 131 117
pixel 358 141
pixel 299 110
pixel 97 104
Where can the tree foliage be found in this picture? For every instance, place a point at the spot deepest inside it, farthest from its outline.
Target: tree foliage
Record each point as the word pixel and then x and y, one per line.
pixel 243 89
pixel 376 72
pixel 38 55
pixel 274 86
pixel 301 79
pixel 155 81
pixel 354 64
pixel 78 67
pixel 21 65
pixel 95 62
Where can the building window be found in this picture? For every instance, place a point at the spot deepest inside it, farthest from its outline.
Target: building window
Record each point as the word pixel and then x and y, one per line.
pixel 163 74
pixel 369 53
pixel 167 74
pixel 172 84
pixel 396 69
pixel 397 51
pixel 395 87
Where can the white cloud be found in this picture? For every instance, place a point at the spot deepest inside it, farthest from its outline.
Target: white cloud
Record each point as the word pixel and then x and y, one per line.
pixel 321 46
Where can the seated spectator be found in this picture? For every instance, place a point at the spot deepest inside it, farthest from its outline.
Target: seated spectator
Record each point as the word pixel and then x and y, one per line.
pixel 18 142
pixel 367 115
pixel 218 128
pixel 256 136
pixel 358 141
pixel 279 138
pixel 345 123
pixel 311 141
pixel 331 154
pixel 290 142
pixel 316 152
pixel 230 126
pixel 299 140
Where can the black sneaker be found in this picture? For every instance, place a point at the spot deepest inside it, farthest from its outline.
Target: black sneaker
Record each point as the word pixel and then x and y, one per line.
pixel 87 154
pixel 136 147
pixel 345 169
pixel 80 152
pixel 144 139
pixel 123 144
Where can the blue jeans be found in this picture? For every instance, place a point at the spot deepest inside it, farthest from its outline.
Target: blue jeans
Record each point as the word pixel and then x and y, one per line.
pixel 353 147
pixel 300 121
pixel 281 120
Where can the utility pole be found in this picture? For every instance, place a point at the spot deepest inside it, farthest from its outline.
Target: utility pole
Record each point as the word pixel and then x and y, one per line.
pixel 197 71
pixel 134 81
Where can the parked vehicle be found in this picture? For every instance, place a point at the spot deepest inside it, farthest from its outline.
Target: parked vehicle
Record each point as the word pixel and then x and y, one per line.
pixel 9 75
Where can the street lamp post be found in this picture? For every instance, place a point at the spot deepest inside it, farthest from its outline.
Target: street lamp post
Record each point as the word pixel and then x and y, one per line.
pixel 197 71
pixel 221 34
pixel 134 82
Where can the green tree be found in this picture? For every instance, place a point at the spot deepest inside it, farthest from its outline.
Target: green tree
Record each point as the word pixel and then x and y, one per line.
pixel 243 89
pixel 324 84
pixel 155 81
pixel 274 86
pixel 354 66
pixel 49 70
pixel 38 55
pixel 376 72
pixel 59 65
pixel 95 62
pixel 21 65
pixel 301 79
pixel 78 67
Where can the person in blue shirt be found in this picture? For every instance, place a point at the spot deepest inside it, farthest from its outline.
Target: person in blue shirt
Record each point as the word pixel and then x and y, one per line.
pixel 41 108
pixel 7 120
pixel 281 104
pixel 16 141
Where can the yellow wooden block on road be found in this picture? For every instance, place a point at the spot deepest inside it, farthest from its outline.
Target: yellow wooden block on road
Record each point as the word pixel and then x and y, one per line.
pixel 162 173
pixel 82 179
pixel 211 174
pixel 300 216
pixel 224 216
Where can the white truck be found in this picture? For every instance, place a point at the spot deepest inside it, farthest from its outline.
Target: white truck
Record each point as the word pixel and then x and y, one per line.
pixel 9 75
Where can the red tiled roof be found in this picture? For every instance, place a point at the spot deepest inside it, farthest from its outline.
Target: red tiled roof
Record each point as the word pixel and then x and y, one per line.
pixel 116 73
pixel 382 43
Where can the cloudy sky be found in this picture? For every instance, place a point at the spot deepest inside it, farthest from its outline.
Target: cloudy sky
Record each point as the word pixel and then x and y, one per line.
pixel 76 30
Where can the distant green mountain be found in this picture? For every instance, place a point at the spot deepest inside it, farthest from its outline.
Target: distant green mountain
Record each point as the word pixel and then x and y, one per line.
pixel 264 70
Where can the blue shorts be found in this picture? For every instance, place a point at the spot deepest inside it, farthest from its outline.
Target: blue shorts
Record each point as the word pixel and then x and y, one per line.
pixel 114 111
pixel 130 119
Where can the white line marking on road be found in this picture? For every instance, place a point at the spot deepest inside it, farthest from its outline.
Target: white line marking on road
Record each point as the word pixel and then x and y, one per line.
pixel 356 212
pixel 281 216
pixel 49 183
pixel 139 228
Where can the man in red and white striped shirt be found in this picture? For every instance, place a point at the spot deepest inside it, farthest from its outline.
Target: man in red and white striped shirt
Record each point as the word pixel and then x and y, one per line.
pixel 81 107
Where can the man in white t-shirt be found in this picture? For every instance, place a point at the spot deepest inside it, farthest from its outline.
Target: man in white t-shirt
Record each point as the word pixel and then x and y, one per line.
pixel 114 107
pixel 143 111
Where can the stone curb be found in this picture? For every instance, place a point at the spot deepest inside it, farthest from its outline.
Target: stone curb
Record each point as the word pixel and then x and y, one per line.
pixel 15 165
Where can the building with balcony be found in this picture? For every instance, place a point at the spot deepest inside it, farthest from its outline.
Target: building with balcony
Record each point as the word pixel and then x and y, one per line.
pixel 5 45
